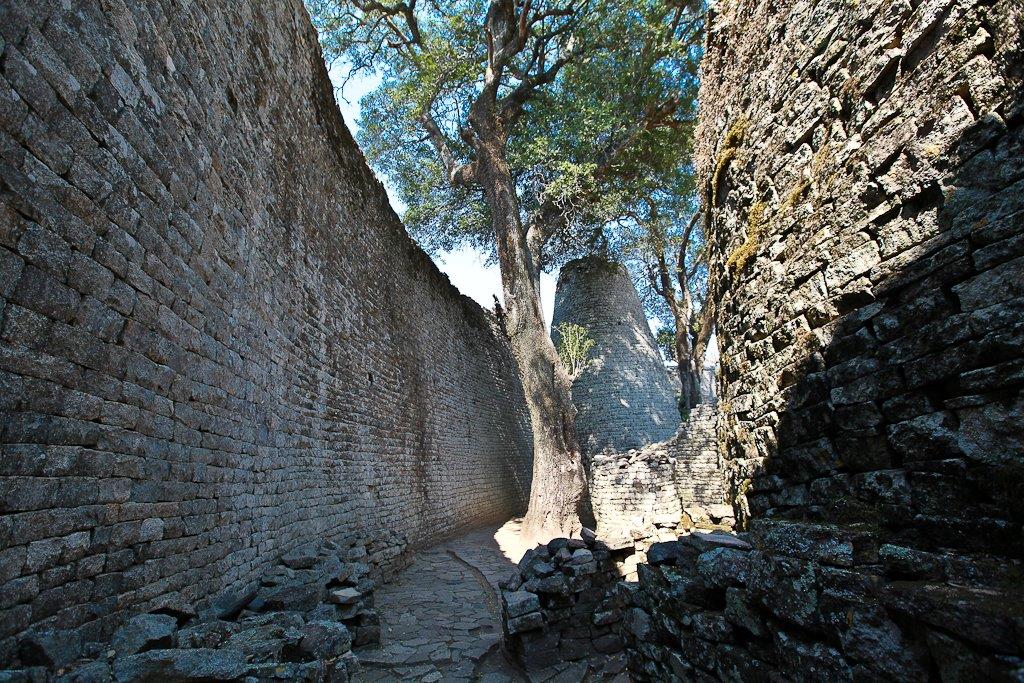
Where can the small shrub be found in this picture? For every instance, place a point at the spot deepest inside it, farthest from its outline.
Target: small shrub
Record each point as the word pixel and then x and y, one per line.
pixel 574 346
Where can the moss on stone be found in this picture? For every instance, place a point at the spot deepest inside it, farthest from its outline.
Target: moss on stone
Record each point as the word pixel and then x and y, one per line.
pixel 794 196
pixel 730 148
pixel 755 228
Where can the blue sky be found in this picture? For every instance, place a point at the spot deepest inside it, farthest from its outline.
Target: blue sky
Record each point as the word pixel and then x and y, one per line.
pixel 465 267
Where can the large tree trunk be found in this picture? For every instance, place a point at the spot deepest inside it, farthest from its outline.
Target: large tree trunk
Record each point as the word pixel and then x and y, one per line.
pixel 688 381
pixel 700 346
pixel 559 482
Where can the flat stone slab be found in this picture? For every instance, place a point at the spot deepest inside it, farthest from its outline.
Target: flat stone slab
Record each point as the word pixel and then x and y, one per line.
pixel 440 617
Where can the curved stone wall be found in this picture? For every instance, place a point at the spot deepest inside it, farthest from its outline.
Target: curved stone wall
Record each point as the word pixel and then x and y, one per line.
pixel 863 166
pixel 625 398
pixel 217 341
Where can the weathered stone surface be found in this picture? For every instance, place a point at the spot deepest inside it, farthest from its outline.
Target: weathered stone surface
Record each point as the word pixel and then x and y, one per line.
pixel 518 603
pixel 567 608
pixel 739 611
pixel 144 632
pixel 822 543
pixel 50 648
pixel 704 541
pixel 181 665
pixel 723 567
pixel 526 622
pixel 343 596
pixel 659 485
pixel 305 557
pixel 624 397
pixel 860 168
pixel 668 552
pixel 325 639
pixel 217 341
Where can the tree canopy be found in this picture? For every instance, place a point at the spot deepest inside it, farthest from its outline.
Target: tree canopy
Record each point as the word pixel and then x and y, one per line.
pixel 599 103
pixel 530 128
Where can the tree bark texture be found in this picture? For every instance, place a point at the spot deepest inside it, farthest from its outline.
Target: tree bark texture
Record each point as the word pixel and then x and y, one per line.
pixel 559 482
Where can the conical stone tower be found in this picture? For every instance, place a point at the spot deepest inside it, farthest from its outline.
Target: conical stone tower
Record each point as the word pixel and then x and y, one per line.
pixel 625 397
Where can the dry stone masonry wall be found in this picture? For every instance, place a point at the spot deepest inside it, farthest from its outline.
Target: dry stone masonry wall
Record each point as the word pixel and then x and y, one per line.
pixel 562 603
pixel 624 397
pixel 670 484
pixel 863 166
pixel 217 342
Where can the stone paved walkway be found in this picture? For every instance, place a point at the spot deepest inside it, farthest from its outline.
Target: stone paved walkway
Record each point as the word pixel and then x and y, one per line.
pixel 441 617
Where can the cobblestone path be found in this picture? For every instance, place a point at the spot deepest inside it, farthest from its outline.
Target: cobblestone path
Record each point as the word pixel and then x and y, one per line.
pixel 441 619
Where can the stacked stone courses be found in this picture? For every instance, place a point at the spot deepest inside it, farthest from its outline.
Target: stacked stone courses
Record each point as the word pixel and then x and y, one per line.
pixel 217 342
pixel 624 397
pixel 863 165
pixel 630 491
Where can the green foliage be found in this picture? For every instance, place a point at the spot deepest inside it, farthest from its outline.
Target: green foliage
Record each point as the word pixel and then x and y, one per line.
pixel 612 127
pixel 666 339
pixel 574 347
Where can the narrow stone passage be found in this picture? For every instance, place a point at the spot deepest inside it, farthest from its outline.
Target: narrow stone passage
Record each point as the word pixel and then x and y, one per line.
pixel 441 616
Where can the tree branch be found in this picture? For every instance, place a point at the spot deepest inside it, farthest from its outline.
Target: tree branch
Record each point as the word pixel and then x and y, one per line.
pixel 458 174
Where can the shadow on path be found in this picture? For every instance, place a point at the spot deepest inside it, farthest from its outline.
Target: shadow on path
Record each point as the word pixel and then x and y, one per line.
pixel 441 617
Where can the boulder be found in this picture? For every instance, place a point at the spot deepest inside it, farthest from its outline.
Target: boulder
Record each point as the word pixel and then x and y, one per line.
pixel 704 541
pixel 581 556
pixel 92 672
pixel 608 644
pixel 227 604
pixel 827 544
pixel 667 553
pixel 518 603
pixel 206 634
pixel 259 643
pixel 740 612
pixel 51 648
pixel 907 563
pixel 303 557
pixel 527 622
pixel 638 623
pixel 344 596
pixel 294 595
pixel 325 640
pixel 722 567
pixel 144 632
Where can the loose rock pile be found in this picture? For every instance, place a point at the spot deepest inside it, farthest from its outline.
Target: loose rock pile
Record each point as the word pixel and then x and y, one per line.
pixel 562 605
pixel 299 623
pixel 666 527
pixel 829 602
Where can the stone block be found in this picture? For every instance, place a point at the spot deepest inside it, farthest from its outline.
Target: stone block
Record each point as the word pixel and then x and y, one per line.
pixel 144 632
pixel 518 603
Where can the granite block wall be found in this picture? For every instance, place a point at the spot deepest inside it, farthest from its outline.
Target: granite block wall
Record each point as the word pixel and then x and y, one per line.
pixel 217 341
pixel 633 492
pixel 866 187
pixel 862 165
pixel 624 397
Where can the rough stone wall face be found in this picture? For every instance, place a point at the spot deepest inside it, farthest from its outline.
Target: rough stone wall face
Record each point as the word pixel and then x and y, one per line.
pixel 864 167
pixel 217 341
pixel 635 491
pixel 625 398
